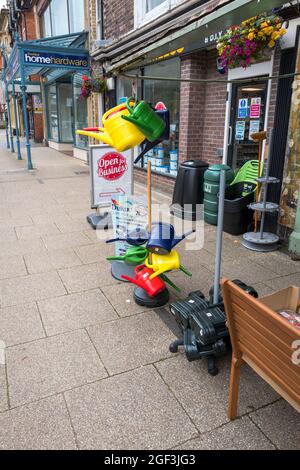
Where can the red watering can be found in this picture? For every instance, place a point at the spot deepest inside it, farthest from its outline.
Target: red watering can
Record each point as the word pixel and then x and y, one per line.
pixel 142 279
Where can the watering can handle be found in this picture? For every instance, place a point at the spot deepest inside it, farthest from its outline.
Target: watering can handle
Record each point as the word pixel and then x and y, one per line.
pixel 132 120
pixel 113 240
pixel 139 268
pixel 168 281
pixel 130 109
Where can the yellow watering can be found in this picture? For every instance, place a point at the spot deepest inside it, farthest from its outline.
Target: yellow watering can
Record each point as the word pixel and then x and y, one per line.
pixel 118 133
pixel 163 263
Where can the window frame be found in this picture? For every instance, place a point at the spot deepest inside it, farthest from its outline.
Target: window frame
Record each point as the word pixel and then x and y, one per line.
pixel 141 17
pixel 42 20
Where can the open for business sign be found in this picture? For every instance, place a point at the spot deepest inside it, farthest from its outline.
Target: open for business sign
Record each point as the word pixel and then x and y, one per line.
pixel 111 174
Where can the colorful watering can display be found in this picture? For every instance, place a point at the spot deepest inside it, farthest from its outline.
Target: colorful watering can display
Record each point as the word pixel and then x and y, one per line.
pixel 117 132
pixel 145 118
pixel 162 238
pixel 161 264
pixel 143 279
pixel 133 256
pixel 135 237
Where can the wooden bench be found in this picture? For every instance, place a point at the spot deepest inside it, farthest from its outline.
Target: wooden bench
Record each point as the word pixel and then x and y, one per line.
pixel 265 341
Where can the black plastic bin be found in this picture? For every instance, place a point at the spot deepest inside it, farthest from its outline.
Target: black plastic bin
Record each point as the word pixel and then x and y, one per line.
pixel 188 192
pixel 237 215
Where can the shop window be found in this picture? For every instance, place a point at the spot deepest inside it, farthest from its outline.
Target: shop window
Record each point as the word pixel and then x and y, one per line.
pixel 80 112
pixel 59 17
pixel 52 113
pixel 164 157
pixel 63 17
pixel 76 15
pixel 148 10
pixel 65 100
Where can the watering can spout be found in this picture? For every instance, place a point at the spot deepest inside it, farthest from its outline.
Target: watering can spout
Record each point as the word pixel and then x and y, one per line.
pixel 175 241
pixel 101 135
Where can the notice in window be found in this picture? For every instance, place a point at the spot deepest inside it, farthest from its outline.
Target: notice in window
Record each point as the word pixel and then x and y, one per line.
pixel 255 107
pixel 254 127
pixel 243 108
pixel 240 130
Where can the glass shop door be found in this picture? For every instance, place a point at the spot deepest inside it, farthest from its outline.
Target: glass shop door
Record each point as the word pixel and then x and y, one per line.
pixel 248 108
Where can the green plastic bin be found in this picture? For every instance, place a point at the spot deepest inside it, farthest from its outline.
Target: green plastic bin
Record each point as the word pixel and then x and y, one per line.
pixel 211 191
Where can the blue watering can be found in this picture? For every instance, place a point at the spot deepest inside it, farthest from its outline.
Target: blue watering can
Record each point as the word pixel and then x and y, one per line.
pixel 162 238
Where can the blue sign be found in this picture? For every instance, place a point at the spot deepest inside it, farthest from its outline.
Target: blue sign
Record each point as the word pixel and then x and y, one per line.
pixel 53 59
pixel 243 108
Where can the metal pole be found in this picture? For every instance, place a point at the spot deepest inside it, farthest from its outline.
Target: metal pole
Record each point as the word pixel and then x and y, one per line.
pixel 16 121
pixel 218 259
pixel 26 124
pixel 263 216
pixel 12 148
pixel 6 129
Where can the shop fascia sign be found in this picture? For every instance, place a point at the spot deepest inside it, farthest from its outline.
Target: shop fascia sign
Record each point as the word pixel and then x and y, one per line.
pixel 213 38
pixel 54 59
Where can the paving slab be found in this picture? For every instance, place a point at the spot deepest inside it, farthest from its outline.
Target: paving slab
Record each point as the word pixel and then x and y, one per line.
pixel 205 398
pixel 283 281
pixel 202 279
pixel 247 271
pixel 132 342
pixel 22 247
pixel 7 234
pixel 240 434
pixel 121 297
pixel 72 226
pixel 65 240
pixel 12 266
pixel 30 288
pixel 277 262
pixel 3 388
pixel 20 324
pixel 31 232
pixel 280 423
pixel 134 410
pixel 87 277
pixel 95 252
pixel 50 260
pixel 44 425
pixel 75 311
pixel 51 365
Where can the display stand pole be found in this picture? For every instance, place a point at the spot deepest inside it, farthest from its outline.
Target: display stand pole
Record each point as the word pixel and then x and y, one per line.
pixel 218 259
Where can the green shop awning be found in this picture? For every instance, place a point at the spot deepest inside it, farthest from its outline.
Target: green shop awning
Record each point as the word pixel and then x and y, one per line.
pixel 50 57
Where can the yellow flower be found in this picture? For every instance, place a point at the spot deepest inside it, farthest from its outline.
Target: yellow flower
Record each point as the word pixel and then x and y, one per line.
pixel 251 36
pixel 275 36
pixel 264 25
pixel 261 35
pixel 271 44
pixel 282 31
pixel 278 26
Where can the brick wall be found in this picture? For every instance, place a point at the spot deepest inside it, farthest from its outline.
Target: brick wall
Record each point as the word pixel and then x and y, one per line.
pixel 118 17
pixel 214 112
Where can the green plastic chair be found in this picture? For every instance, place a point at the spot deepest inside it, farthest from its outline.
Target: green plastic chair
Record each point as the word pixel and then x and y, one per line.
pixel 249 172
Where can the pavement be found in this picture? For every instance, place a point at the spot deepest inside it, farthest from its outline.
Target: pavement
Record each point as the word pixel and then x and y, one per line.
pixel 85 367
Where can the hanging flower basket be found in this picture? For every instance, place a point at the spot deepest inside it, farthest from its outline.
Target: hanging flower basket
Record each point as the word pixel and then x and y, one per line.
pixel 249 42
pixel 92 85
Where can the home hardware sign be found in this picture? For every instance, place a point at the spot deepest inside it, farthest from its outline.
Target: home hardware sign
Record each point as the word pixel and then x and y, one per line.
pixel 54 59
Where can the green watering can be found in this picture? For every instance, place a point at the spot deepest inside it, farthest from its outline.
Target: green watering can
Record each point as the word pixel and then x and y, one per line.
pixel 134 256
pixel 145 118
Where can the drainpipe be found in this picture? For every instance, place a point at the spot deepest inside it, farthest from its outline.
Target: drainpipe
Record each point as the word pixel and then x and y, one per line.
pixel 294 242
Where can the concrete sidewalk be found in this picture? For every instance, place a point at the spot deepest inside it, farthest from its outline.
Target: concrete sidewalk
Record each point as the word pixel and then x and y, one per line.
pixel 87 368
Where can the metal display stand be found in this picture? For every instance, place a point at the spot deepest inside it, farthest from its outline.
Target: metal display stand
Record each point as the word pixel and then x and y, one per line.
pixel 263 241
pixel 100 221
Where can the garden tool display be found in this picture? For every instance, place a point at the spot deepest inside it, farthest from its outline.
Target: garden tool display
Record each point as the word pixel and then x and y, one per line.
pixel 145 118
pixel 117 132
pixel 162 238
pixel 164 263
pixel 133 256
pixel 136 237
pixel 143 279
